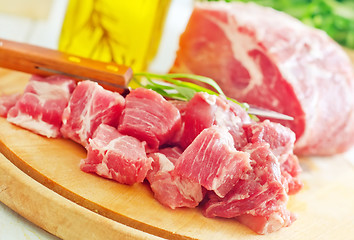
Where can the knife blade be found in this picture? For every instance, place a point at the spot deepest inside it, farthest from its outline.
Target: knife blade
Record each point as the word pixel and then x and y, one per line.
pixel 266 113
pixel 45 62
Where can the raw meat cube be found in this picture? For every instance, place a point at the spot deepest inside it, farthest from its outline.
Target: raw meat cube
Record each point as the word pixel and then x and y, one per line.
pixel 116 156
pixel 90 106
pixel 204 111
pixel 281 141
pixel 149 117
pixel 169 189
pixel 212 161
pixel 40 107
pixel 260 193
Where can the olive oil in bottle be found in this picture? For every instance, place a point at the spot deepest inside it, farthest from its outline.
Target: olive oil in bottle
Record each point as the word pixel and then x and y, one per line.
pixel 122 31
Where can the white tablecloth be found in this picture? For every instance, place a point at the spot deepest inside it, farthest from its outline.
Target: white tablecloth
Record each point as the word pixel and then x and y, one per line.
pixel 14 226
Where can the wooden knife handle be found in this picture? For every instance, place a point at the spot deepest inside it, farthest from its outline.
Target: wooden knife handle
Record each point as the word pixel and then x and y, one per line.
pixel 34 60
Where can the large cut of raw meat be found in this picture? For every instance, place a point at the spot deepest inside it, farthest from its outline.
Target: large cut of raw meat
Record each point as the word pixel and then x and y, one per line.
pixel 116 156
pixel 90 106
pixel 41 106
pixel 267 58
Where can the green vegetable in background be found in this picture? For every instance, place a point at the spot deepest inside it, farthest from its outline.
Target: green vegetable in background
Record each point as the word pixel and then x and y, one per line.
pixel 336 17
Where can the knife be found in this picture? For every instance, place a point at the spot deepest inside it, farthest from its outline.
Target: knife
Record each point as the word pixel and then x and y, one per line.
pixel 45 62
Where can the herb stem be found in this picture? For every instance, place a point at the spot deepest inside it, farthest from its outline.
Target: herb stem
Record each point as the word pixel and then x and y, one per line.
pixel 173 87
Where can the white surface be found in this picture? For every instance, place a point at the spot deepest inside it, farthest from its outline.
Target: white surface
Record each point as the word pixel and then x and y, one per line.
pixel 14 226
pixel 45 33
pixel 42 32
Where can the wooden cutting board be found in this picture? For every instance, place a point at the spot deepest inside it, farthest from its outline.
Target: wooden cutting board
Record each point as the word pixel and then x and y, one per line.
pixel 41 180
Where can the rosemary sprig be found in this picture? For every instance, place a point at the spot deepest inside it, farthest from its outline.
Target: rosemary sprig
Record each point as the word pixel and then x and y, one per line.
pixel 172 87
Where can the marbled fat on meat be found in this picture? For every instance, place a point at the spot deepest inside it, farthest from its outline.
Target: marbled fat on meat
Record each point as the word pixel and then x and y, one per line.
pixel 89 106
pixel 116 156
pixel 40 107
pixel 149 117
pixel 267 58
pixel 169 189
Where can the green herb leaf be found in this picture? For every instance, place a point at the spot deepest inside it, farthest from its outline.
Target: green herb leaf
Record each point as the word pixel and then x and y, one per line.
pixel 172 78
pixel 172 87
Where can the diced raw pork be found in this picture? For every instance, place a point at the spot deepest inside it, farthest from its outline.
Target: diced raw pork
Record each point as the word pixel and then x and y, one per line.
pixel 212 161
pixel 7 102
pixel 116 156
pixel 89 106
pixel 204 111
pixel 237 167
pixel 267 58
pixel 172 190
pixel 149 117
pixel 260 193
pixel 40 107
pixel 281 141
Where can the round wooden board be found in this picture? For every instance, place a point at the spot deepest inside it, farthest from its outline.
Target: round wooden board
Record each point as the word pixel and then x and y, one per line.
pixel 55 213
pixel 324 207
